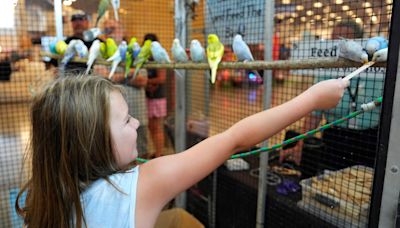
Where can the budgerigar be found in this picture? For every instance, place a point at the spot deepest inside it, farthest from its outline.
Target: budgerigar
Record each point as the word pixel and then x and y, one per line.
pixel 143 56
pixel 159 53
pixel 69 53
pixel 380 56
pixel 215 51
pixel 61 47
pixel 178 52
pixel 242 51
pixel 197 52
pixel 81 49
pixel 111 47
pixel 375 44
pixel 94 52
pixel 129 56
pixel 103 50
pixel 115 4
pixel 118 56
pixel 101 10
pixel 91 34
pixel 349 49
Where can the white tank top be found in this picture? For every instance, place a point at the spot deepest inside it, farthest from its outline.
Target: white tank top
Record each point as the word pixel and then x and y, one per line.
pixel 104 206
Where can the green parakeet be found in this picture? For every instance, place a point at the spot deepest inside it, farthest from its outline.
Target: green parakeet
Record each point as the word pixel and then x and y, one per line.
pixel 111 47
pixel 103 50
pixel 215 51
pixel 129 56
pixel 144 55
pixel 103 7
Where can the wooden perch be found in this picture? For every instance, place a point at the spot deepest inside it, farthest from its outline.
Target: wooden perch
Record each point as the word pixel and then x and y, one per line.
pixel 255 65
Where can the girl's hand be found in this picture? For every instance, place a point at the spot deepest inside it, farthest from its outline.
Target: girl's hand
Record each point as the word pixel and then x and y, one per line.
pixel 327 94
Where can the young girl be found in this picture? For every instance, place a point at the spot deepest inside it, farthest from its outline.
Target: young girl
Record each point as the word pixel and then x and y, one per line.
pixel 84 147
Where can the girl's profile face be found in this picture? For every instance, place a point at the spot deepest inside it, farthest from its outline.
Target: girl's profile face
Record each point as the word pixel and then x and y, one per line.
pixel 123 130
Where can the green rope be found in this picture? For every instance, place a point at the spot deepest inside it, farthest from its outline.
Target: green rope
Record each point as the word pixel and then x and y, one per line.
pixel 377 102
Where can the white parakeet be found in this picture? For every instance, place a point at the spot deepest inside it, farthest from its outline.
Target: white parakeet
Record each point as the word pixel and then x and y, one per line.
pixel 115 4
pixel 94 52
pixel 242 51
pixel 178 52
pixel 159 54
pixel 375 44
pixel 215 51
pixel 118 56
pixel 197 52
pixel 81 49
pixel 380 56
pixel 349 49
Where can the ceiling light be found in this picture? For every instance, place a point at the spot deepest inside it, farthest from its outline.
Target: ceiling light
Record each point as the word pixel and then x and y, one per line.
pixel 366 4
pixel 339 2
pixel 309 12
pixel 299 7
pixel 317 4
pixel 345 7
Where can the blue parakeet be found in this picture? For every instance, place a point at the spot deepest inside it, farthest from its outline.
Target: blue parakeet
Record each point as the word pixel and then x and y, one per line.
pixel 375 44
pixel 159 54
pixel 197 52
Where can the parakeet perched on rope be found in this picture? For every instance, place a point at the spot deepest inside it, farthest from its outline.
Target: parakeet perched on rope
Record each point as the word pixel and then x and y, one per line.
pixel 94 52
pixel 143 56
pixel 118 56
pixel 131 53
pixel 197 52
pixel 375 44
pixel 349 49
pixel 242 51
pixel 178 52
pixel 159 53
pixel 215 51
pixel 381 55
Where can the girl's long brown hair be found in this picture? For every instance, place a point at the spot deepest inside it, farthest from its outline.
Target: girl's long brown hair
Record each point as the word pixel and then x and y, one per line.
pixel 70 148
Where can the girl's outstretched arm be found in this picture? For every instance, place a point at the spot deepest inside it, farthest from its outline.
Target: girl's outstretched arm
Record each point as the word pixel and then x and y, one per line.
pixel 163 178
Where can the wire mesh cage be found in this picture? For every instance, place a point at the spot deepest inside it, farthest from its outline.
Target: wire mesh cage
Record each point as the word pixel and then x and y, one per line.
pixel 323 180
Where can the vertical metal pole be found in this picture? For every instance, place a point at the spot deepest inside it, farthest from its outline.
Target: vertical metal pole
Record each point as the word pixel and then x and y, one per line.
pixel 180 101
pixel 385 195
pixel 268 38
pixel 58 19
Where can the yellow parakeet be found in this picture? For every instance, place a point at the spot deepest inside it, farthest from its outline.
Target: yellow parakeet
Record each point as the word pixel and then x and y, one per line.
pixel 215 51
pixel 60 47
pixel 111 47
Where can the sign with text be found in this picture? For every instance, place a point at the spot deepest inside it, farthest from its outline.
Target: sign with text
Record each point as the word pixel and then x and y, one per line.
pixel 311 49
pixel 227 18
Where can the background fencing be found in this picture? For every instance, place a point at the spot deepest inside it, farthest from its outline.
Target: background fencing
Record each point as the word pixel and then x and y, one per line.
pixel 323 181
